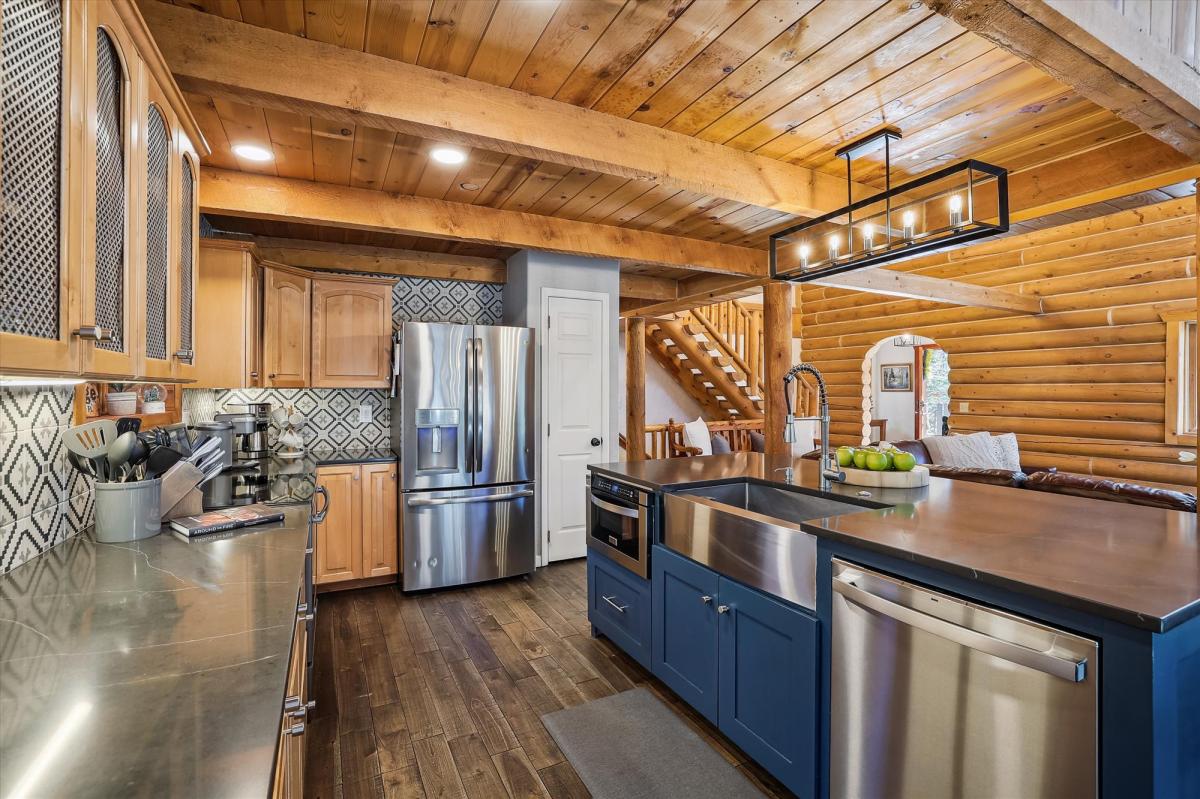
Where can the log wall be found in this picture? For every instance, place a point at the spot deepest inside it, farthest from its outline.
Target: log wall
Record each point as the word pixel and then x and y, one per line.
pixel 1082 384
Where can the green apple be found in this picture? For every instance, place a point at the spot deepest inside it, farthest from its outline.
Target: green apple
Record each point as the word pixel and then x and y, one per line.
pixel 904 461
pixel 877 461
pixel 860 458
pixel 845 456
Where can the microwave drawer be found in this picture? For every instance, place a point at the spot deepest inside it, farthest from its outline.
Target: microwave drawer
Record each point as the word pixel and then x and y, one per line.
pixel 619 606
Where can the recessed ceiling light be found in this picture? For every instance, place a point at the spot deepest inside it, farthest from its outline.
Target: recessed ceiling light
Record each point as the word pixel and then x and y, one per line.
pixel 447 155
pixel 469 186
pixel 252 152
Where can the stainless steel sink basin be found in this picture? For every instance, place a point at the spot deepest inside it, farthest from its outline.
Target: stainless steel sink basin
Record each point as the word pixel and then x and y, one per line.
pixel 751 533
pixel 778 503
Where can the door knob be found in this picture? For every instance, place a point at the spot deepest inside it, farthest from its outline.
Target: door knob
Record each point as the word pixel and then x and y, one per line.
pixel 595 442
pixel 706 599
pixel 723 608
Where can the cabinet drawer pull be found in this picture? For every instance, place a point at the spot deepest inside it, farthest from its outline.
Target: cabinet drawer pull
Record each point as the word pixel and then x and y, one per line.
pixel 93 333
pixel 609 600
pixel 723 608
pixel 254 374
pixel 706 599
pixel 185 355
pixel 296 729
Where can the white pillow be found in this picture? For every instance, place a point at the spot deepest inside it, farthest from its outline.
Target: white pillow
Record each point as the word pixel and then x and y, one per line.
pixel 974 451
pixel 1008 454
pixel 695 434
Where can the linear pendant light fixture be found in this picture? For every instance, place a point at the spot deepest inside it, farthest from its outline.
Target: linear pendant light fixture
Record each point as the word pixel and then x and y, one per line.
pixel 945 208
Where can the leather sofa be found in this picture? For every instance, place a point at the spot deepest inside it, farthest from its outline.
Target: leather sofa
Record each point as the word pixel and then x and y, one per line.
pixel 1056 482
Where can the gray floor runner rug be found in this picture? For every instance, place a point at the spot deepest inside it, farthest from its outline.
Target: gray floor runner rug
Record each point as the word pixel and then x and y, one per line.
pixel 631 746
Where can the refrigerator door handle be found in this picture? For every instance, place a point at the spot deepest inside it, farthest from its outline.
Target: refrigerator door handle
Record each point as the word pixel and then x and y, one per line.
pixel 469 401
pixel 425 503
pixel 476 379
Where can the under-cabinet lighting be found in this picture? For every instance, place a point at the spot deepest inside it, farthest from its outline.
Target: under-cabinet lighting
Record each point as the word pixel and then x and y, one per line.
pixel 17 382
pixel 252 152
pixel 448 155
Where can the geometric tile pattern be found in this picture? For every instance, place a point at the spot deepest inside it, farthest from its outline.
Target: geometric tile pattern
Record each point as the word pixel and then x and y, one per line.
pixel 425 300
pixel 43 501
pixel 331 414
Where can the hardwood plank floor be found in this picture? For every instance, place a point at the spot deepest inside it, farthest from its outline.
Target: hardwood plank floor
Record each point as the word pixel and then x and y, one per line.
pixel 441 695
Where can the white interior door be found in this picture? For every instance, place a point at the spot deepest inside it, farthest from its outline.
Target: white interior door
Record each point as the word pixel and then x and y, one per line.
pixel 576 389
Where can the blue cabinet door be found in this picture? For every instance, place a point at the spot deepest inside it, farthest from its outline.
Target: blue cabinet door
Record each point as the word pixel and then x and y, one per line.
pixel 768 684
pixel 684 634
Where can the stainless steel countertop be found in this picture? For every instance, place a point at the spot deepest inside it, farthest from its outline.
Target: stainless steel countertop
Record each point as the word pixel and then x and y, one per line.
pixel 154 668
pixel 1133 564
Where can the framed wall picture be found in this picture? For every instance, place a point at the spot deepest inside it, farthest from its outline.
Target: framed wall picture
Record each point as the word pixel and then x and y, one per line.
pixel 895 377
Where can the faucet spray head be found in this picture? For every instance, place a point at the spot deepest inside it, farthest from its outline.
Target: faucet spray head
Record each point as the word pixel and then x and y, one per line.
pixel 789 430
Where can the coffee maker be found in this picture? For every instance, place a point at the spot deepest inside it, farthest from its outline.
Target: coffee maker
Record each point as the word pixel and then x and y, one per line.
pixel 249 430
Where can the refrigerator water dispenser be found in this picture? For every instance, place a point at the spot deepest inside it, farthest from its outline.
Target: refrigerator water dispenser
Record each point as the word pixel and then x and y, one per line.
pixel 437 439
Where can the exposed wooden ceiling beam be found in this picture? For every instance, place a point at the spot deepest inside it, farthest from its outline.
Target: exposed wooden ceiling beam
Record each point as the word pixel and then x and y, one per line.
pixel 330 256
pixel 216 56
pixel 1096 51
pixel 323 255
pixel 920 287
pixel 263 197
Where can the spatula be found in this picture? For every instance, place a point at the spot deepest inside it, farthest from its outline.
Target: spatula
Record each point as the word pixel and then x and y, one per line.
pixel 91 440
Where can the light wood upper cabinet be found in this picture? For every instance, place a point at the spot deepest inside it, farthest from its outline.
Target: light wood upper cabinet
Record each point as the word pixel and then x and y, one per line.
pixel 351 334
pixel 380 534
pixel 228 321
pixel 39 311
pixel 339 538
pixel 111 187
pixel 286 329
pixel 77 150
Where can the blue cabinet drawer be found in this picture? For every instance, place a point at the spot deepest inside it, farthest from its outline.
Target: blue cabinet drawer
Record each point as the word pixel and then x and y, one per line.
pixel 619 606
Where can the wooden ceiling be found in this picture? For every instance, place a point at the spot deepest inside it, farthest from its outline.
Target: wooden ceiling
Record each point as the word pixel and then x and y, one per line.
pixel 787 79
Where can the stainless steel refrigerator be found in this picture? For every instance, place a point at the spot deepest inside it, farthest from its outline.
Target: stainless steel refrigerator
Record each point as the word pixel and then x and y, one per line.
pixel 462 423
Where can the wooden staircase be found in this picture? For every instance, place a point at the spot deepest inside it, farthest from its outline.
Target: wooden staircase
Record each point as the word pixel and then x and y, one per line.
pixel 715 353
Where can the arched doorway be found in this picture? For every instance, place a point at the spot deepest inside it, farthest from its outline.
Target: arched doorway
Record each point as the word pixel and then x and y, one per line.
pixel 906 389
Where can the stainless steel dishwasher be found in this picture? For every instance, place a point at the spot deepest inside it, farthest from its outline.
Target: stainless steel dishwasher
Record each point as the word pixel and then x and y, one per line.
pixel 933 696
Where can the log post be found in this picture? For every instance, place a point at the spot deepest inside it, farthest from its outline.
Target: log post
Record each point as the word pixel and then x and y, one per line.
pixel 635 388
pixel 777 357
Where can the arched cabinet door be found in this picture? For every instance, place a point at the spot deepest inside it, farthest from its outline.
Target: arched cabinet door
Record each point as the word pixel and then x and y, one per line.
pixel 37 274
pixel 187 260
pixel 108 333
pixel 159 237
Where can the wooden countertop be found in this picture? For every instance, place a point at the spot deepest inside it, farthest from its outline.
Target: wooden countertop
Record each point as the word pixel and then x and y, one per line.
pixel 1136 565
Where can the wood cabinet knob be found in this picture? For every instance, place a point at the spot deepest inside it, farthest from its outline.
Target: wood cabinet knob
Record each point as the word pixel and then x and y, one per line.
pixel 271 376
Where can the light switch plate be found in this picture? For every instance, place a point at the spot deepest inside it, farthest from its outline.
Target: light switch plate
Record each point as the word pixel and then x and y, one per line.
pixel 365 412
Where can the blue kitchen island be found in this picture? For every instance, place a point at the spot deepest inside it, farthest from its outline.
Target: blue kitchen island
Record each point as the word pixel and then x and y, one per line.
pixel 958 639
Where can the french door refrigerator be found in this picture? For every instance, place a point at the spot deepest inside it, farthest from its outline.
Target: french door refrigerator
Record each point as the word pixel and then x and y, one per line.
pixel 462 423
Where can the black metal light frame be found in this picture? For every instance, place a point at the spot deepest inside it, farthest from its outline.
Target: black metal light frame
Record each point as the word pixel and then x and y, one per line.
pixel 970 231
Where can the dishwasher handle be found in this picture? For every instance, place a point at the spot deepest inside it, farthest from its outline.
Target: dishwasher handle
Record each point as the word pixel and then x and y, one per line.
pixel 1064 668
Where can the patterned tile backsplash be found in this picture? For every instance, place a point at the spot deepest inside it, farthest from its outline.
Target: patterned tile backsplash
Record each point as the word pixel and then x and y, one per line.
pixel 42 499
pixel 331 414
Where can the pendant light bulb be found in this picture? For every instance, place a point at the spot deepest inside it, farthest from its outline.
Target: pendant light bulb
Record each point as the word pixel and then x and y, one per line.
pixel 835 244
pixel 955 211
pixel 868 235
pixel 804 252
pixel 907 221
